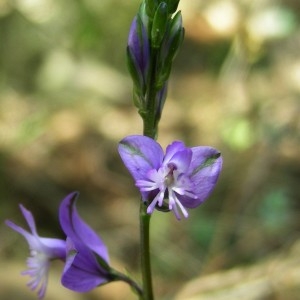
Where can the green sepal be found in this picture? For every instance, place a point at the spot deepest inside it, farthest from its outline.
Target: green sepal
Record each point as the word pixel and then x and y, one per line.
pixel 135 71
pixel 138 99
pixel 163 75
pixel 176 24
pixel 174 38
pixel 175 45
pixel 159 26
pixel 143 113
pixel 142 14
pixel 102 262
pixel 151 6
pixel 169 49
pixel 172 5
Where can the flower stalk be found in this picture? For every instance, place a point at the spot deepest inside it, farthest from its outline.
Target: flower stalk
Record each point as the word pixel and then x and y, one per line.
pixel 145 252
pixel 150 130
pixel 118 276
pixel 149 60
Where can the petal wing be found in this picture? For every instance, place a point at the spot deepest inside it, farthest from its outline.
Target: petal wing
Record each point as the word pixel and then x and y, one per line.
pixel 29 219
pixel 173 148
pixel 204 172
pixel 82 272
pixel 76 229
pixel 182 160
pixel 140 154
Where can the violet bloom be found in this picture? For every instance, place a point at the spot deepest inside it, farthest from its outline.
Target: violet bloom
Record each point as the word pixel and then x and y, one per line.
pixel 87 257
pixel 182 178
pixel 42 252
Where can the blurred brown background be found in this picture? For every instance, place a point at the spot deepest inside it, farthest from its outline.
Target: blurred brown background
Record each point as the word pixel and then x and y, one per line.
pixel 65 102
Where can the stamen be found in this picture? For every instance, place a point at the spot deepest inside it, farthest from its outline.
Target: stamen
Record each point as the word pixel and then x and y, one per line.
pixel 169 183
pixel 157 200
pixel 174 203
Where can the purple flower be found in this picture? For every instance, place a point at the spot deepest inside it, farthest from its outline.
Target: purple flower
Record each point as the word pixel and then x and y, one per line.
pixel 42 252
pixel 87 257
pixel 183 177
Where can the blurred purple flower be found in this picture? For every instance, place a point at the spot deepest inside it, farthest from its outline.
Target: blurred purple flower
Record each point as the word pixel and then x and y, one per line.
pixel 42 252
pixel 184 177
pixel 87 256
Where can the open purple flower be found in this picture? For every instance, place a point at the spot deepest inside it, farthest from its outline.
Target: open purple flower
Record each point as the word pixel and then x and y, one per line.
pixel 183 177
pixel 87 256
pixel 42 252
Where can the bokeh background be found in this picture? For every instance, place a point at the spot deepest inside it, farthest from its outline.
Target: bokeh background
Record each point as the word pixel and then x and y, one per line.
pixel 65 102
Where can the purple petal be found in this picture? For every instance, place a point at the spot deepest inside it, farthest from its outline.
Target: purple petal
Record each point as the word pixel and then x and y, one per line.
pixel 205 169
pixel 31 240
pixel 133 40
pixel 55 248
pixel 80 280
pixel 140 154
pixel 181 160
pixel 29 219
pixel 82 272
pixel 172 149
pixel 77 230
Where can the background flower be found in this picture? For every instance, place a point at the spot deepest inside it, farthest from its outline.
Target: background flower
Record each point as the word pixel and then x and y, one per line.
pixel 87 257
pixel 42 251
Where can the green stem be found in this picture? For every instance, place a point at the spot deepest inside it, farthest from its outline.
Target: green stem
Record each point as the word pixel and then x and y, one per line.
pixel 145 252
pixel 150 128
pixel 122 277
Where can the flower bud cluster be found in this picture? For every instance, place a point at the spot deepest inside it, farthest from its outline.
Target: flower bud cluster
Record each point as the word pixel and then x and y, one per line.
pixel 155 37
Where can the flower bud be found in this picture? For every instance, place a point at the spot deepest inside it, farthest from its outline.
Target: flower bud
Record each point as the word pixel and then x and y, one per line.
pixel 169 48
pixel 151 6
pixel 173 39
pixel 172 5
pixel 138 53
pixel 159 25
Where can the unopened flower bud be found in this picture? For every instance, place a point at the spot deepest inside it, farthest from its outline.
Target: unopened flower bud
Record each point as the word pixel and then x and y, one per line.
pixel 159 25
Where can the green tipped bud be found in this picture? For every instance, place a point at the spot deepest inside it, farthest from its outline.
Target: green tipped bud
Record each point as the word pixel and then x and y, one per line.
pixel 174 38
pixel 176 24
pixel 151 6
pixel 159 25
pixel 172 5
pixel 169 49
pixel 143 14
